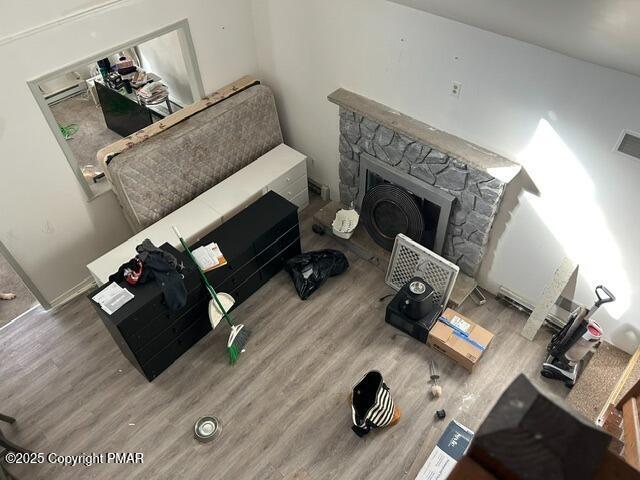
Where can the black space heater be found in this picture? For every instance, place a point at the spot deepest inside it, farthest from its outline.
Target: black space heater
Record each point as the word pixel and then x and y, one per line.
pixel 414 309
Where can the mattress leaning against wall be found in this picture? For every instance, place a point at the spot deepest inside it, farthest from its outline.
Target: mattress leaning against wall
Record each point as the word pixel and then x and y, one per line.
pixel 170 169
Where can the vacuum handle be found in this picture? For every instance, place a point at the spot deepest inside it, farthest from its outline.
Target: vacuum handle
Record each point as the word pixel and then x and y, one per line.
pixel 604 296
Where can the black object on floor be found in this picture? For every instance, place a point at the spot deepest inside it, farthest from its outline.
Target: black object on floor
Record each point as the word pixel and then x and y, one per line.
pixel 5 443
pixel 441 414
pixel 311 269
pixel 318 229
pixel 256 244
pixel 413 309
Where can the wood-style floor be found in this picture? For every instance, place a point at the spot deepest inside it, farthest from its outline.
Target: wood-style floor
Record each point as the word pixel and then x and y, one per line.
pixel 10 282
pixel 284 405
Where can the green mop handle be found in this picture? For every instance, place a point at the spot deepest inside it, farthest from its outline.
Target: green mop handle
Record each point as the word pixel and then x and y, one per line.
pixel 212 291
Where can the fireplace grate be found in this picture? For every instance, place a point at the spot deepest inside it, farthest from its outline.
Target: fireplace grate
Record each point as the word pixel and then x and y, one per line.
pixel 410 259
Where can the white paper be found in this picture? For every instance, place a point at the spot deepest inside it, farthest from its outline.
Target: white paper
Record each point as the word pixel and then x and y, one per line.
pixel 112 298
pixel 207 256
pixel 111 290
pixel 438 466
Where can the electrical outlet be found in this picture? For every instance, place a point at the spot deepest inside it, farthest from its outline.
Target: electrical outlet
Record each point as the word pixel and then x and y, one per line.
pixel 456 87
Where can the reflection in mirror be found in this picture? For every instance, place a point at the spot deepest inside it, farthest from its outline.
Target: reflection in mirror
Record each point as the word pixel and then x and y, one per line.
pixel 99 102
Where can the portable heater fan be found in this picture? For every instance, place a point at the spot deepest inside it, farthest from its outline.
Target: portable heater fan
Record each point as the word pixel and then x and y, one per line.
pixel 424 281
pixel 410 259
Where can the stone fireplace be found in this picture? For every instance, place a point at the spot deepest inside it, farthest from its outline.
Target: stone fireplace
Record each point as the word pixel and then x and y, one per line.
pixel 434 203
pixel 473 177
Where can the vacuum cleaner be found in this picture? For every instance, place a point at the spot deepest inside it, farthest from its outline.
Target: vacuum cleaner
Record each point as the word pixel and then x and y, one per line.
pixel 579 336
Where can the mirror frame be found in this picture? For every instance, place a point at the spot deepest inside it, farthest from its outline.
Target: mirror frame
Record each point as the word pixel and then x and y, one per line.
pixel 193 72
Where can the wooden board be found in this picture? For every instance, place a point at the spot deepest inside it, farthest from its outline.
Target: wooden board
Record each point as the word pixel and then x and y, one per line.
pixel 634 390
pixel 108 152
pixel 549 296
pixel 631 432
pixel 615 468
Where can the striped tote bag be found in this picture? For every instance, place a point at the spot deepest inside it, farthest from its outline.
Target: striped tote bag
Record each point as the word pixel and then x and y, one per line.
pixel 372 405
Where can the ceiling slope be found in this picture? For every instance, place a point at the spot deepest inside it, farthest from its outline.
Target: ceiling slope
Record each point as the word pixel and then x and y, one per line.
pixel 604 32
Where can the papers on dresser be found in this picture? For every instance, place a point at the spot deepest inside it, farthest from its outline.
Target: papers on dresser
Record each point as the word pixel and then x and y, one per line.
pixel 209 257
pixel 112 298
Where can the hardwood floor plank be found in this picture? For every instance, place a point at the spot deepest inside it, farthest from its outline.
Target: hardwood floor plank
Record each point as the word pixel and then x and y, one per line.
pixel 284 406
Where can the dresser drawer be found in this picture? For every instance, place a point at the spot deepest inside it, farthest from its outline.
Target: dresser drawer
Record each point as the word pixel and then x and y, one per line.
pixel 280 244
pixel 293 189
pixel 302 199
pixel 276 263
pixel 162 338
pixel 275 232
pixel 282 183
pixel 142 327
pixel 163 359
pixel 247 288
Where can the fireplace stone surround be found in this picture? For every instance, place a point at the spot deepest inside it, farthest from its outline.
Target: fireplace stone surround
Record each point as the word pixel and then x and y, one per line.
pixel 475 176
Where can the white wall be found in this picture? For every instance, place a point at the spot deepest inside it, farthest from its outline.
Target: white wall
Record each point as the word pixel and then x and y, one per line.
pixel 558 116
pixel 163 56
pixel 45 220
pixel 20 15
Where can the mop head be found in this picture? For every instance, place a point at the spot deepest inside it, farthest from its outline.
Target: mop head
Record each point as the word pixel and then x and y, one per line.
pixel 237 341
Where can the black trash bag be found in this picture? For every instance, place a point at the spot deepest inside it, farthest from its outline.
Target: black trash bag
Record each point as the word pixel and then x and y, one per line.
pixel 310 270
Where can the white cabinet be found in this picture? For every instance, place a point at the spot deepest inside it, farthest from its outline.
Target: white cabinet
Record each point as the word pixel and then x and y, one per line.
pixel 282 170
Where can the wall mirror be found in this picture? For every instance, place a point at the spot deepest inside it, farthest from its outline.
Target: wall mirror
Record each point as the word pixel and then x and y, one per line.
pixel 96 101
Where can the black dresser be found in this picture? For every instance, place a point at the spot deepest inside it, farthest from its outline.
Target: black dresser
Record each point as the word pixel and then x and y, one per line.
pixel 256 243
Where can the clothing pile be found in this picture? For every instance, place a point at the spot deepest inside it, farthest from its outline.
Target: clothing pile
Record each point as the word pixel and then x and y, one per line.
pixel 152 263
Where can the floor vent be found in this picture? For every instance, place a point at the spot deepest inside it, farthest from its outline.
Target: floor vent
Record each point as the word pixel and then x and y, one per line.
pixel 629 144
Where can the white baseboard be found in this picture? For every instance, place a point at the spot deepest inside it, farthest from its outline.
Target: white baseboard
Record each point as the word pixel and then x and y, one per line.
pixel 74 292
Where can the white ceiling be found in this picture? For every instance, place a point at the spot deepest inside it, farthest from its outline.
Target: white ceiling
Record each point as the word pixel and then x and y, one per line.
pixel 605 32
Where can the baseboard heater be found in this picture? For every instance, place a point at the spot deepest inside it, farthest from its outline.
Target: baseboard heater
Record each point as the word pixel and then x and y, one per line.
pixel 319 189
pixel 64 93
pixel 558 320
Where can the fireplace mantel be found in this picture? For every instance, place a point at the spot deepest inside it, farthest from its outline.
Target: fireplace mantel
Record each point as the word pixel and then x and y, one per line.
pixel 484 160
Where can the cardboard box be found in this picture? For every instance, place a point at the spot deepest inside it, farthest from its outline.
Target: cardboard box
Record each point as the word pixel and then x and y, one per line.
pixel 451 447
pixel 459 338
